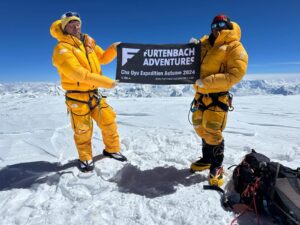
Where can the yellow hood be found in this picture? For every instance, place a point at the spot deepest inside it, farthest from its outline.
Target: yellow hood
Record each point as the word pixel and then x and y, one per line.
pixel 78 63
pixel 223 64
pixel 57 33
pixel 229 35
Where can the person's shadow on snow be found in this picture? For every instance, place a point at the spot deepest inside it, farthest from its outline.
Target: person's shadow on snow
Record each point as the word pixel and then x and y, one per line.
pixel 155 182
pixel 24 175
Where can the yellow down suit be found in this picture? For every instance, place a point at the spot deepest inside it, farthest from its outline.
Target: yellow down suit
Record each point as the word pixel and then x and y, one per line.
pixel 222 65
pixel 78 64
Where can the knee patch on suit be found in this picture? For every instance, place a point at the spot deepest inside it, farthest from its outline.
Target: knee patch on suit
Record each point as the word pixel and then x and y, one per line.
pixel 197 118
pixel 215 120
pixel 80 116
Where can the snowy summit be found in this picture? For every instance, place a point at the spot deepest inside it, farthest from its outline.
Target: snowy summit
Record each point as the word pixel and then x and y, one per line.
pixel 40 183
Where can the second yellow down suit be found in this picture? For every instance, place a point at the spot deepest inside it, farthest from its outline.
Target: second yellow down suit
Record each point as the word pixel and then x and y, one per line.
pixel 222 65
pixel 78 64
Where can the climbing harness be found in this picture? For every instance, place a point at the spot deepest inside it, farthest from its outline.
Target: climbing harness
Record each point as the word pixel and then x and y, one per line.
pixel 198 104
pixel 95 95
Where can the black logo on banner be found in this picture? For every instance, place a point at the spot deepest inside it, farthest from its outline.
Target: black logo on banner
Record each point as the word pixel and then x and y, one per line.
pixel 158 64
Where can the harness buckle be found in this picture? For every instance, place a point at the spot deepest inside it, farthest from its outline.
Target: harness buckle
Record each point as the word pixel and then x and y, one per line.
pixel 207 95
pixel 194 106
pixel 98 99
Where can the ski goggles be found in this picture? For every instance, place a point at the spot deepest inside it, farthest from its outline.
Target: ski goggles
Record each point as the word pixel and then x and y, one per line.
pixel 70 14
pixel 220 24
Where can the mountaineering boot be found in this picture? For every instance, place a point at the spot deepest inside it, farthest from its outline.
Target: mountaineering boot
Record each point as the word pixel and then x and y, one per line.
pixel 216 177
pixel 86 165
pixel 116 155
pixel 216 171
pixel 200 165
pixel 203 163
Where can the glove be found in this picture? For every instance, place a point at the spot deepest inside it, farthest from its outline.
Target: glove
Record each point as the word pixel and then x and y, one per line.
pixel 116 83
pixel 199 83
pixel 194 41
pixel 115 45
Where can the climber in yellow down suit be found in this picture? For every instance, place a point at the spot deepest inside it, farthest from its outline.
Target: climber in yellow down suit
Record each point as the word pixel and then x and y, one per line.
pixel 77 58
pixel 223 63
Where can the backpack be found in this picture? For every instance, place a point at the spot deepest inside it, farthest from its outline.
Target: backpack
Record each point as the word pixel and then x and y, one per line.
pixel 269 187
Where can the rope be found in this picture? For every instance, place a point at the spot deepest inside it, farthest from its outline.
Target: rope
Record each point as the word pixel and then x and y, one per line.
pixel 250 190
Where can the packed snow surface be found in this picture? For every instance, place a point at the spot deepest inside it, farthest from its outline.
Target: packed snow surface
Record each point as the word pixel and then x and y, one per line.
pixel 40 184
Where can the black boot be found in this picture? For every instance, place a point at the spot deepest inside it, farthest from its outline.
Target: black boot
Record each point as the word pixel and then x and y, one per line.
pixel 116 155
pixel 203 163
pixel 86 166
pixel 217 155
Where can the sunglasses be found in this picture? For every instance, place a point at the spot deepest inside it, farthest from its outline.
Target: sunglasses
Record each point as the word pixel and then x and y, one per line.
pixel 70 14
pixel 220 24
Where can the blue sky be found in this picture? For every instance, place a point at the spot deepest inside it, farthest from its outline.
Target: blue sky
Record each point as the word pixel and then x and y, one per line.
pixel 270 30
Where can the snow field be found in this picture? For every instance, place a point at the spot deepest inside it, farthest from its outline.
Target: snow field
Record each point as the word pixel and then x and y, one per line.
pixel 41 185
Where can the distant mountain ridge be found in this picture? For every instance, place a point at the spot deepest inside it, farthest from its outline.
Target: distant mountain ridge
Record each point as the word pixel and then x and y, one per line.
pixel 245 87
